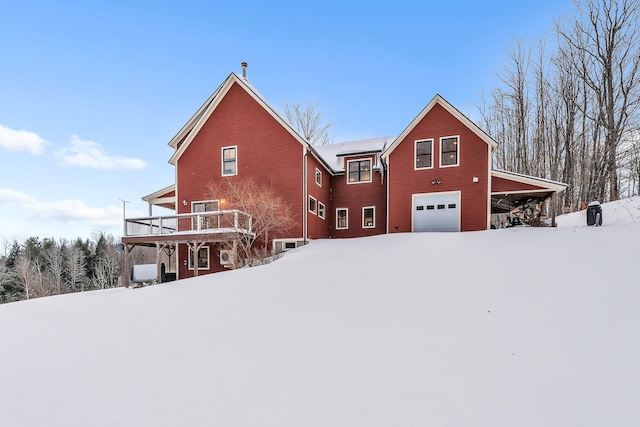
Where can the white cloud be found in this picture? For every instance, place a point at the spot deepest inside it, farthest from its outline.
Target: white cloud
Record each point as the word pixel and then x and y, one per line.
pixel 62 210
pixel 21 140
pixel 89 154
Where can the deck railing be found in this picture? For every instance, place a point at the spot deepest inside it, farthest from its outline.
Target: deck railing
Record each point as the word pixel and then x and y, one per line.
pixel 205 222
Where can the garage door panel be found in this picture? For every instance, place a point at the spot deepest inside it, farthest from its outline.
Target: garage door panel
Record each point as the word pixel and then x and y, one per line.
pixel 436 212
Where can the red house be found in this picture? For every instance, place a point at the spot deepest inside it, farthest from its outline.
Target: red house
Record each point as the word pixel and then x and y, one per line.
pixel 435 176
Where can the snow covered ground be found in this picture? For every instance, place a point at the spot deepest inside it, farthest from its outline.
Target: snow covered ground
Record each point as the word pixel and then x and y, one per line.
pixel 513 327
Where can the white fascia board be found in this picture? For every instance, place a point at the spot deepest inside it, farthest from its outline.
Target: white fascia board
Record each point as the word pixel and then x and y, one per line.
pixel 556 186
pixel 213 104
pixel 157 194
pixel 454 112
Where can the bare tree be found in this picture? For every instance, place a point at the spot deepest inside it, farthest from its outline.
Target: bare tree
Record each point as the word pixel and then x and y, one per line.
pixel 75 268
pixel 307 121
pixel 270 215
pixel 604 41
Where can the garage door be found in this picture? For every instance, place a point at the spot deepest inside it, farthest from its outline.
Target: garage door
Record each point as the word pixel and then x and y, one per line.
pixel 436 212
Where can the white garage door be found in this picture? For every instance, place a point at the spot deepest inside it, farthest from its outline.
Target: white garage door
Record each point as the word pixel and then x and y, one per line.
pixel 436 212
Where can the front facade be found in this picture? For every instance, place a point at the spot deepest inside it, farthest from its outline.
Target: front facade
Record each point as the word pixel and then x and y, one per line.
pixel 435 176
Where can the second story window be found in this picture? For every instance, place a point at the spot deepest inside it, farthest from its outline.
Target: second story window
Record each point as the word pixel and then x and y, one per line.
pixel 424 159
pixel 229 161
pixel 359 171
pixel 449 149
pixel 319 177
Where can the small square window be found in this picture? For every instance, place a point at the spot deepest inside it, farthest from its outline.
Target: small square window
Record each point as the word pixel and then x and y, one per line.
pixel 203 258
pixel 359 171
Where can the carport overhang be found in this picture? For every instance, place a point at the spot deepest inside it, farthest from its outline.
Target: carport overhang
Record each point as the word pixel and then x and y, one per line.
pixel 510 190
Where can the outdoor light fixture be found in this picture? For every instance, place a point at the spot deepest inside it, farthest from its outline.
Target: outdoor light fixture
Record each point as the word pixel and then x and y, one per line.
pixel 184 202
pixel 436 181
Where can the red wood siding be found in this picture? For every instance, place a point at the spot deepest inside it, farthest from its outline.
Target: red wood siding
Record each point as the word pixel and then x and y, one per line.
pixel 500 184
pixel 354 197
pixel 266 152
pixel 473 162
pixel 317 228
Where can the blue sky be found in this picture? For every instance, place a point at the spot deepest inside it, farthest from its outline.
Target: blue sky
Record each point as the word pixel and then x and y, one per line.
pixel 92 92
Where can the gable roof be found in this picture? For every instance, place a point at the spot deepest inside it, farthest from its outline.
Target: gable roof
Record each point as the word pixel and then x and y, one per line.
pixel 333 153
pixel 189 131
pixel 454 112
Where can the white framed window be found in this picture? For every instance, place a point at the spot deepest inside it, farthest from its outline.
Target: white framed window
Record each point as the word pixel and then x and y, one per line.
pixel 449 151
pixel 229 161
pixel 342 218
pixel 203 258
pixel 423 150
pixel 319 177
pixel 369 217
pixel 313 205
pixel 321 210
pixel 205 221
pixel 358 171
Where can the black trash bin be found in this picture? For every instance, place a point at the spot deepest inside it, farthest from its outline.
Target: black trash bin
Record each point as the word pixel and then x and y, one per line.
pixel 594 214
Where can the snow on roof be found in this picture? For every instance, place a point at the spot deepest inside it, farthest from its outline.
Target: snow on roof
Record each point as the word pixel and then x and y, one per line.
pixel 332 153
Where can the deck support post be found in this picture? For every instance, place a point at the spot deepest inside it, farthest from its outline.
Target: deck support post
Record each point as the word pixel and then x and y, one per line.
pixel 126 274
pixel 554 200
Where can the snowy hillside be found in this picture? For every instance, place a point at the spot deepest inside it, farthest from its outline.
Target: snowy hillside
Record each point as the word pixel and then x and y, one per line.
pixel 513 327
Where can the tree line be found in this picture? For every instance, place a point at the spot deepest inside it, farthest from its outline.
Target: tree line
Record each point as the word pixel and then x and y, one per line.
pixel 570 113
pixel 36 268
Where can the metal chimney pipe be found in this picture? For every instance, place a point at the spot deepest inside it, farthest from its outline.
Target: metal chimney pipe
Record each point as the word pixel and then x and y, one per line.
pixel 244 66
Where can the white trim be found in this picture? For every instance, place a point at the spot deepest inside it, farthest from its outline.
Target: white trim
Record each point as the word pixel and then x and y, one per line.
pixel 438 193
pixel 319 173
pixel 315 202
pixel 457 152
pixel 454 112
pixel 364 159
pixel 324 210
pixel 197 121
pixel 415 154
pixel 556 186
pixel 346 219
pixel 235 147
pixel 190 263
pixel 373 225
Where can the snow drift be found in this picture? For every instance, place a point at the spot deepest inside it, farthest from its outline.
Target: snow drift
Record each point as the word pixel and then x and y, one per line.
pixel 520 326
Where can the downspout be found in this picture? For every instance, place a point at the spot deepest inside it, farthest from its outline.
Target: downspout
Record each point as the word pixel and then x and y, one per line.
pixel 304 195
pixel 386 193
pixel 386 196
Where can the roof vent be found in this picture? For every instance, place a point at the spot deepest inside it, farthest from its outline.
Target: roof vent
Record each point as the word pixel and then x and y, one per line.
pixel 244 66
